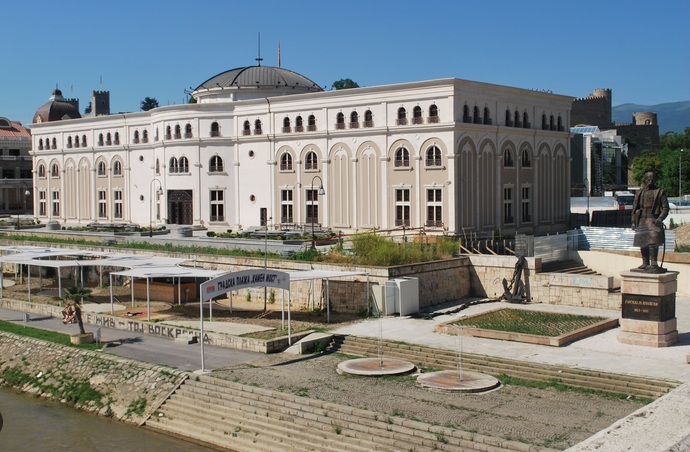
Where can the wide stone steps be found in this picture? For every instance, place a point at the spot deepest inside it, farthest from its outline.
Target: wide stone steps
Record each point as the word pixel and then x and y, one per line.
pixel 241 417
pixel 644 387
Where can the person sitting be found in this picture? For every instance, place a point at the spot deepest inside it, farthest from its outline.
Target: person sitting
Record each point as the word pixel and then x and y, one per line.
pixel 68 314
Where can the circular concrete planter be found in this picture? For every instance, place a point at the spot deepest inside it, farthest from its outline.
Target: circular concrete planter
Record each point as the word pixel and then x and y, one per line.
pixel 79 339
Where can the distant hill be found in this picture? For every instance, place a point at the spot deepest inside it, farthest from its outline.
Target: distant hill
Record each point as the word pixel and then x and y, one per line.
pixel 672 116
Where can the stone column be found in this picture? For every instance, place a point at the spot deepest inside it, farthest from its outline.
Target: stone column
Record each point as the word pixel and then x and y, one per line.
pixel 648 309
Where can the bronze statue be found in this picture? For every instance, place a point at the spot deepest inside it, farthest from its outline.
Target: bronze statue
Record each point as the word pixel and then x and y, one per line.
pixel 650 208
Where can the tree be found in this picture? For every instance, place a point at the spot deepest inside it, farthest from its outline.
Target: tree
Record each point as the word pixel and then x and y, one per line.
pixel 87 110
pixel 149 103
pixel 345 83
pixel 76 295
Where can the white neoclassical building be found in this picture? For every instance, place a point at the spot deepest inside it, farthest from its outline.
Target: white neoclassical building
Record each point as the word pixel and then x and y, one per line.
pixel 267 145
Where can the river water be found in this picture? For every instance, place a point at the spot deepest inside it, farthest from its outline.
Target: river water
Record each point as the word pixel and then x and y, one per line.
pixel 35 424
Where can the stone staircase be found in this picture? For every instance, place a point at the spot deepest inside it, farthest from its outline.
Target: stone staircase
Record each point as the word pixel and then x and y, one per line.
pixel 567 266
pixel 232 416
pixel 434 358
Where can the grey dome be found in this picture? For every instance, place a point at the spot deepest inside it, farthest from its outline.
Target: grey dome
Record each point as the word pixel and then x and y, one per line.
pixel 261 77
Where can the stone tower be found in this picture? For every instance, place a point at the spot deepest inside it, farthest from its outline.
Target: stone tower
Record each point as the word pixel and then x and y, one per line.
pixel 100 103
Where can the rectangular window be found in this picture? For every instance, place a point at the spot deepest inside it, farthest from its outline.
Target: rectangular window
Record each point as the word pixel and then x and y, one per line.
pixel 434 207
pixel 526 205
pixel 286 209
pixel 14 152
pixel 102 204
pixel 402 207
pixel 508 205
pixel 117 204
pixel 312 197
pixel 217 205
pixel 42 203
pixel 56 203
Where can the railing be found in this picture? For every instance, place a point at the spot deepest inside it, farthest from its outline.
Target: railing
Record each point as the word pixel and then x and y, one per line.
pixel 100 143
pixel 299 128
pixel 488 121
pixel 217 217
pixel 168 136
pixel 418 120
pixel 467 119
pixel 354 125
pixel 401 122
pixel 108 143
pixel 135 140
pixel 216 169
pixel 178 136
pixel 285 167
pixel 509 123
pixel 434 223
pixel 433 162
pixel 478 120
pixel 340 125
pixel 401 163
pixel 433 120
pixel 144 140
pixel 368 123
pixel 116 142
pixel 246 132
pixel 527 125
pixel 402 222
pixel 258 131
pixel 311 128
pixel 287 129
pixel 286 220
pixel 215 133
pixel 188 135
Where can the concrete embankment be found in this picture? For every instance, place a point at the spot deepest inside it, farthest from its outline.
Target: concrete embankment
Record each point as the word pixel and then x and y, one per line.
pixel 90 380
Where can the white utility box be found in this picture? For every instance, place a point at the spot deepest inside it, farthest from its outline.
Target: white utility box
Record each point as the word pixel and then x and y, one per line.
pixel 397 296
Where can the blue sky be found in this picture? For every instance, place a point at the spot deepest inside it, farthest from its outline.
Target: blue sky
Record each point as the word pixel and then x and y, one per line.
pixel 155 48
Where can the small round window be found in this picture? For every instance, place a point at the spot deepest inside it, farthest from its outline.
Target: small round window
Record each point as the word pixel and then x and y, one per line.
pixel 141 197
pixel 252 198
pixel 141 158
pixel 251 154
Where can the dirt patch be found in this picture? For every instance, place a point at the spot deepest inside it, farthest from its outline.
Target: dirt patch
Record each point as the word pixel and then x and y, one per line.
pixel 543 417
pixel 682 235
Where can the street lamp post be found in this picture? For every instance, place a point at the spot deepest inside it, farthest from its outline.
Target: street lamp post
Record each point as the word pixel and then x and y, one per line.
pixel 321 192
pixel 586 182
pixel 26 194
pixel 158 193
pixel 680 178
pixel 266 257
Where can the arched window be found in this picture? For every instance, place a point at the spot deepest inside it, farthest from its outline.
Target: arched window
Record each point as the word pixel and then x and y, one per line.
pixel 368 119
pixel 487 116
pixel 117 138
pixel 402 158
pixel 76 141
pixel 525 159
pixel 173 167
pixel 168 133
pixel 476 115
pixel 41 170
pixel 433 114
pixel 178 132
pixel 311 123
pixel 54 144
pixel 466 114
pixel 145 136
pixel 184 165
pixel 552 125
pixel 246 128
pixel 402 117
pixel 54 170
pixel 340 121
pixel 117 168
pixel 509 118
pixel 101 168
pixel 216 164
pixel 299 125
pixel 83 141
pixel 135 140
pixel 158 167
pixel 525 121
pixel 354 120
pixel 517 119
pixel 433 156
pixel 188 131
pixel 544 123
pixel 215 129
pixel 560 123
pixel 286 125
pixel 108 139
pixel 417 115
pixel 258 130
pixel 507 158
pixel 69 142
pixel 286 162
pixel 40 144
pixel 311 162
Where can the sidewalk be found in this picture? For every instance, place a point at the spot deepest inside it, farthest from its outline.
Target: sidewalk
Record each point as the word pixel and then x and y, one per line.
pixel 142 347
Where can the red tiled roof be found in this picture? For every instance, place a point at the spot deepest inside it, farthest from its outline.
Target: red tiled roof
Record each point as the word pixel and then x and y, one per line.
pixel 15 132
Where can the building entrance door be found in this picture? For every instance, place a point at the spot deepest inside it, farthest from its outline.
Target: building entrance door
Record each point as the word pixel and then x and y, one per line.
pixel 180 207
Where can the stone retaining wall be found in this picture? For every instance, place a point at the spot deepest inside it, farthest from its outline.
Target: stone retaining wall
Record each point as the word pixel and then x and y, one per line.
pixel 93 381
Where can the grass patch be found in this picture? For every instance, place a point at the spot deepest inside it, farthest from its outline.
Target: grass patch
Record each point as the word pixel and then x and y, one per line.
pixel 529 322
pixel 560 386
pixel 44 335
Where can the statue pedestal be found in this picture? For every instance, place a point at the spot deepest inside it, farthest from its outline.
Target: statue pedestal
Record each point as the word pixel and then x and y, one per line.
pixel 648 310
